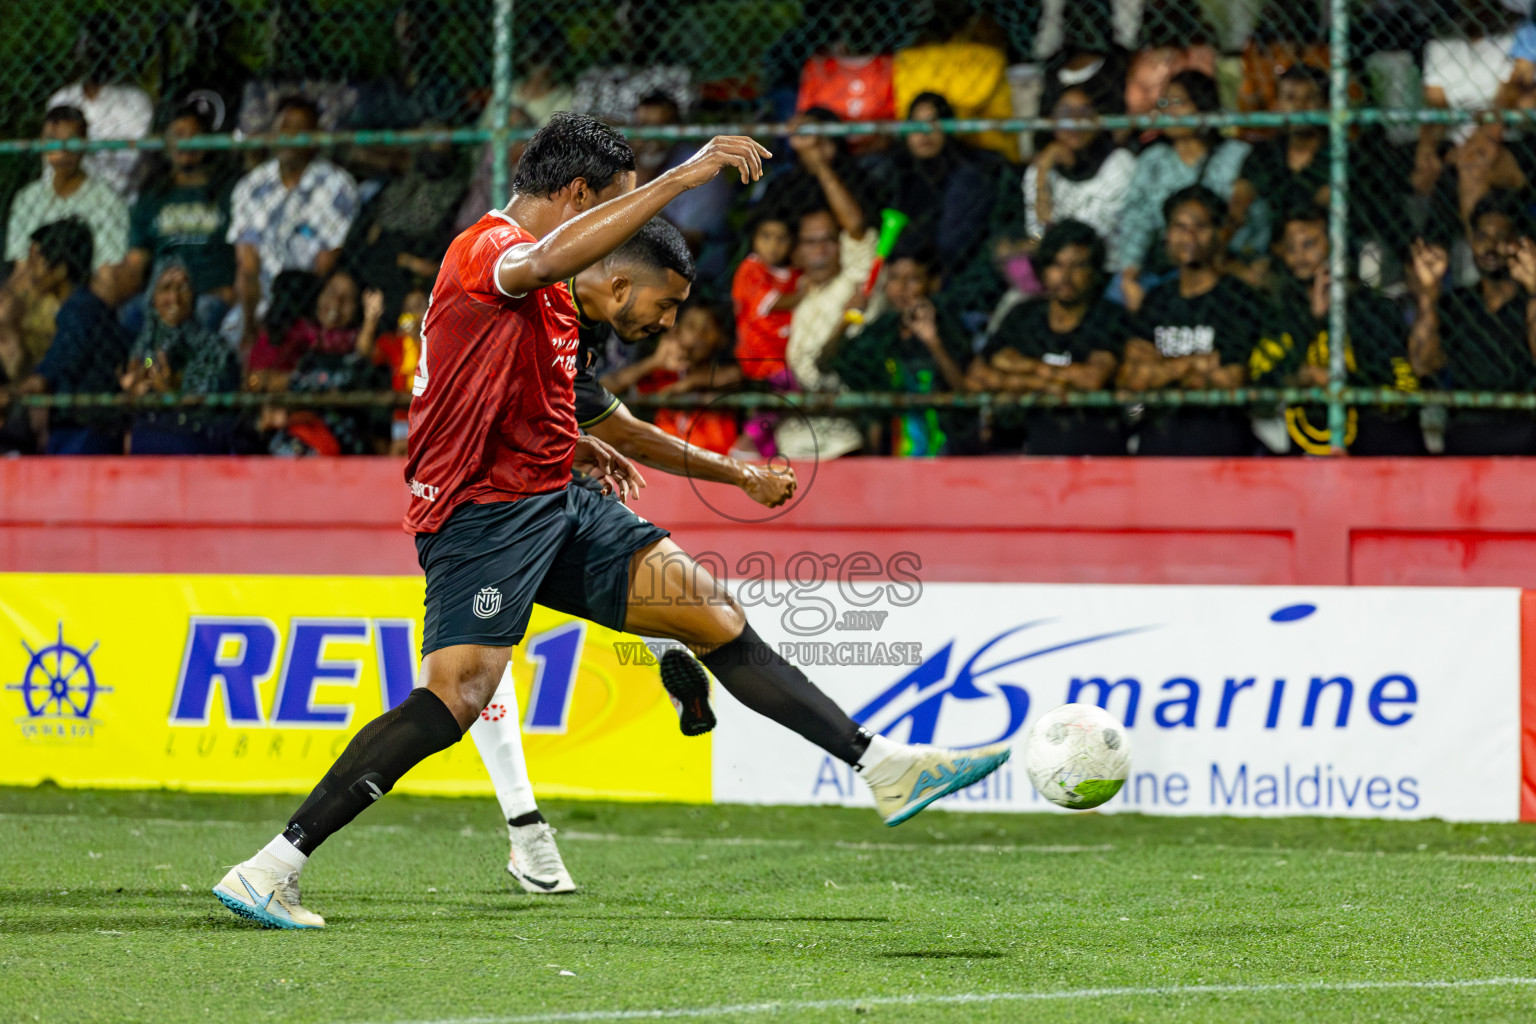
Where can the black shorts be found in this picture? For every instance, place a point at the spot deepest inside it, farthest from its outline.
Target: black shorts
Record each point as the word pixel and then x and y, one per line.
pixel 488 565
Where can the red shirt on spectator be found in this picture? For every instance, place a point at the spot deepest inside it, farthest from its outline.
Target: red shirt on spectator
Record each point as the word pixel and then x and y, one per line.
pixel 761 334
pixel 302 337
pixel 853 88
pixel 711 429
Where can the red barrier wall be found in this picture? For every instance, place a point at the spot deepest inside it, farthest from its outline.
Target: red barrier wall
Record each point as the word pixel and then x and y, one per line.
pixel 1365 521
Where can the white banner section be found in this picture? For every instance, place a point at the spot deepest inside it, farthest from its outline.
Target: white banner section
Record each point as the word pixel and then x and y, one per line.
pixel 1348 701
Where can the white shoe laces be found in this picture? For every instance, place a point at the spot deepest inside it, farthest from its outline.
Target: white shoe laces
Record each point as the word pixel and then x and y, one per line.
pixel 288 888
pixel 541 854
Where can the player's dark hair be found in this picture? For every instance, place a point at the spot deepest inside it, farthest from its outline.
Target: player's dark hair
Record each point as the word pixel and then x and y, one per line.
pixel 657 246
pixel 67 243
pixel 67 115
pixel 294 101
pixel 572 146
pixel 1213 203
pixel 1065 233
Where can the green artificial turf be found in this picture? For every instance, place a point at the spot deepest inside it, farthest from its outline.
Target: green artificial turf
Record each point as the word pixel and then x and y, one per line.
pixel 747 914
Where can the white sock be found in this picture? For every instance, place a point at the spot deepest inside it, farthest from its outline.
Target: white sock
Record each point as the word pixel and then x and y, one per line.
pixel 282 856
pixel 878 750
pixel 500 743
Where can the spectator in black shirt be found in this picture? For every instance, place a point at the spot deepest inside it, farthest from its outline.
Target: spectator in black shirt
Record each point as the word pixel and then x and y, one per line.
pixel 88 347
pixel 1072 339
pixel 1294 348
pixel 183 213
pixel 399 237
pixel 1481 338
pixel 940 185
pixel 1196 331
pixel 1285 173
pixel 919 347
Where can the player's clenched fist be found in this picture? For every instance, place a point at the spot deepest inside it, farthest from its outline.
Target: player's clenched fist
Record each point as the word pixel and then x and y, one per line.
pixel 599 460
pixel 722 151
pixel 769 486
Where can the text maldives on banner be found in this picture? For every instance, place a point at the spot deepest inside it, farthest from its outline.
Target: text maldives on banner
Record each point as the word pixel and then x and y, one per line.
pixel 256 683
pixel 1348 701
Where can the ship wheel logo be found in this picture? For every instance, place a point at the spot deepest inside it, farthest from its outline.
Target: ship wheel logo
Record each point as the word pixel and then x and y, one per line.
pixel 59 681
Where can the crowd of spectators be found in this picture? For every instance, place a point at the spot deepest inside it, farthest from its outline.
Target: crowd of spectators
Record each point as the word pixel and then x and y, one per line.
pixel 1083 260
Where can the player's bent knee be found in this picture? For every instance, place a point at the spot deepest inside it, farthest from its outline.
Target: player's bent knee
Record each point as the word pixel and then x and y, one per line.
pixel 721 623
pixel 732 619
pixel 464 678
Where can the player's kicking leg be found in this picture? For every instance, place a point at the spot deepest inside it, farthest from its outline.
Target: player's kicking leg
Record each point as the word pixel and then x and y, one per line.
pixel 671 595
pixel 502 549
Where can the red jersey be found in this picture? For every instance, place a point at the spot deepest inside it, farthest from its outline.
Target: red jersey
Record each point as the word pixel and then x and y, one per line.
pixel 494 414
pixel 761 335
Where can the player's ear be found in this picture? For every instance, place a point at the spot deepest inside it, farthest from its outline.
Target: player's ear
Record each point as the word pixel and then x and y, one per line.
pixel 582 196
pixel 622 286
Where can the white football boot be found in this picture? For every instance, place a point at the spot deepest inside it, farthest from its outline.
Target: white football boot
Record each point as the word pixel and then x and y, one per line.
pixel 535 860
pixel 266 897
pixel 913 777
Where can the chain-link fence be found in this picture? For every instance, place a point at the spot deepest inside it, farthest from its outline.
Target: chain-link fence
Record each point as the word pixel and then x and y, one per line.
pixel 1105 227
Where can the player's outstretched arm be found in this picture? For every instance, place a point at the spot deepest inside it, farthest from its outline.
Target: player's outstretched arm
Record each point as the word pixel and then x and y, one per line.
pixel 649 445
pixel 593 234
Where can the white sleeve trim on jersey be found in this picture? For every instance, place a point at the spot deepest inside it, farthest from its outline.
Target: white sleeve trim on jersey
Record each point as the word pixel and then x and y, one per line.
pixel 496 274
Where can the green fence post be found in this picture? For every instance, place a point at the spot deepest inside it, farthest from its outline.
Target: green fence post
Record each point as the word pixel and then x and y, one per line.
pixel 501 99
pixel 1338 221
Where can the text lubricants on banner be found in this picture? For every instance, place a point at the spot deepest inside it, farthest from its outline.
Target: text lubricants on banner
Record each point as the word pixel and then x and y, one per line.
pixel 1239 700
pixel 255 683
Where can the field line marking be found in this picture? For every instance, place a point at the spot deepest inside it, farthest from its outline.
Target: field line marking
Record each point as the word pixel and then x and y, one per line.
pixel 961 999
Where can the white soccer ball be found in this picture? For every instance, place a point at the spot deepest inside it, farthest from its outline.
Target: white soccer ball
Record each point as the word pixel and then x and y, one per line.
pixel 1077 755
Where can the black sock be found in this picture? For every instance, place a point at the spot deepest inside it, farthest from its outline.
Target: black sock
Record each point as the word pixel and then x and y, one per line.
pixel 382 751
pixel 533 817
pixel 754 674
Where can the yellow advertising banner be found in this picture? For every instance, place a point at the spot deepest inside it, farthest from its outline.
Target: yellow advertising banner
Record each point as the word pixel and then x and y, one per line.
pixel 256 683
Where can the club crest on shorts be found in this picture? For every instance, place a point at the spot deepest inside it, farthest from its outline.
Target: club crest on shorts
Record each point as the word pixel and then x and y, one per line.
pixel 487 603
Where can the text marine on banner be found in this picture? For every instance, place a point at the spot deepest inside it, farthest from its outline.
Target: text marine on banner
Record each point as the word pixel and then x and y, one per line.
pixel 1366 702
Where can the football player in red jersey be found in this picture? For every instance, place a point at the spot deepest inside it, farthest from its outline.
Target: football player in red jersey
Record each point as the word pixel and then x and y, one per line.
pixel 670 595
pixel 493 442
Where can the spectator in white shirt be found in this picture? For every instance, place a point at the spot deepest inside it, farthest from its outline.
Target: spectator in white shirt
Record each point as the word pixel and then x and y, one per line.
pixel 290 213
pixel 112 110
pixel 68 190
pixel 835 249
pixel 1080 174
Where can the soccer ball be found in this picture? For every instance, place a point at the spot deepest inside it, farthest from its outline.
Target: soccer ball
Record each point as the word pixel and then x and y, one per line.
pixel 1077 756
